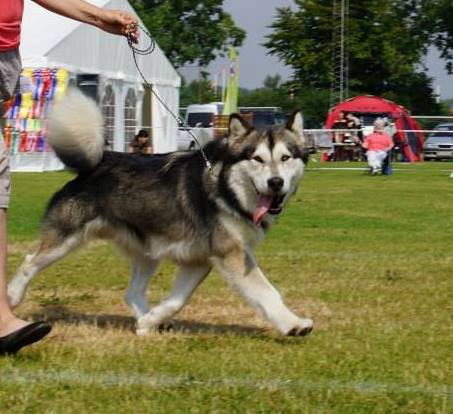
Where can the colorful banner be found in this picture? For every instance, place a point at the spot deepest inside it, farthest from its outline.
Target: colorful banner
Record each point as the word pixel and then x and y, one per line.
pixel 28 109
pixel 232 90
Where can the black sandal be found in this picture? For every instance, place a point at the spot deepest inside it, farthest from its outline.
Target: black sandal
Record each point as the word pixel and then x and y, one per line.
pixel 29 334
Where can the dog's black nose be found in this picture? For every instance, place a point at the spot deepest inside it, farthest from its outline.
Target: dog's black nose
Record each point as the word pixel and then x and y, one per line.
pixel 275 183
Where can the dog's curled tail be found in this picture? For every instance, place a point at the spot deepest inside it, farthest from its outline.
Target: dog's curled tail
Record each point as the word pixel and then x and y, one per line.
pixel 75 131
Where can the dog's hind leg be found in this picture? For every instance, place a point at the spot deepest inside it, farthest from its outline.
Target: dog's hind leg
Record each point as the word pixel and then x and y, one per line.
pixel 187 280
pixel 242 272
pixel 135 297
pixel 52 248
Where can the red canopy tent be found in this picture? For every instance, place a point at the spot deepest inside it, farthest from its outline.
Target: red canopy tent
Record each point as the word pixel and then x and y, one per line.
pixel 411 142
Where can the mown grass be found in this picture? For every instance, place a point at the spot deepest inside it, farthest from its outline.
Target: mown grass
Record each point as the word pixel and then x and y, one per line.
pixel 368 258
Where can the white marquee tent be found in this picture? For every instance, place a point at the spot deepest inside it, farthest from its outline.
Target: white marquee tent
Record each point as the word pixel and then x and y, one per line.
pixel 52 41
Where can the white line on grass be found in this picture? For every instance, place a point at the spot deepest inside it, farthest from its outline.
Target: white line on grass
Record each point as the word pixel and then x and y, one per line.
pixel 112 380
pixel 300 254
pixel 350 169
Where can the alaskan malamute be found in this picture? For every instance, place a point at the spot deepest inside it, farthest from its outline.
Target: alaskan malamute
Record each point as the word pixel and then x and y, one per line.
pixel 171 206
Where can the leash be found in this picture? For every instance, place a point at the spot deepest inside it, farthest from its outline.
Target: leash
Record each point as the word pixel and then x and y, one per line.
pixel 147 51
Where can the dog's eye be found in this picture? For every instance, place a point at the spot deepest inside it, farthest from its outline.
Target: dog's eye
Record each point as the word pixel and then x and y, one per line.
pixel 258 159
pixel 285 158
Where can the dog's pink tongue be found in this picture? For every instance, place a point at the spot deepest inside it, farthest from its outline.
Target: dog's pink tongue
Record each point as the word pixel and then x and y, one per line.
pixel 264 203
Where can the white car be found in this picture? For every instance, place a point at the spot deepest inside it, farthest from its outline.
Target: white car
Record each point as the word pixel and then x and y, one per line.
pixel 198 124
pixel 439 145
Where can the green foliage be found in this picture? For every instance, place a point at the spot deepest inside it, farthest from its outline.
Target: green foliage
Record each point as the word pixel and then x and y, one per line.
pixel 420 100
pixel 436 20
pixel 189 30
pixel 301 40
pixel 197 91
pixel 386 44
pixel 275 92
pixel 314 104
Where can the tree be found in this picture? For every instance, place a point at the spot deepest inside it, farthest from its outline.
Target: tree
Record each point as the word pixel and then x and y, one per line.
pixel 277 93
pixel 435 20
pixel 197 91
pixel 273 93
pixel 386 45
pixel 190 31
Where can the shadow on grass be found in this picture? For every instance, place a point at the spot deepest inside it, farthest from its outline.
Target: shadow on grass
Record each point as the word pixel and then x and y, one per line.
pixel 59 313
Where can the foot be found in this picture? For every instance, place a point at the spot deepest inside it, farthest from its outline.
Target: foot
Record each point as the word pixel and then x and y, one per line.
pixel 10 325
pixel 27 335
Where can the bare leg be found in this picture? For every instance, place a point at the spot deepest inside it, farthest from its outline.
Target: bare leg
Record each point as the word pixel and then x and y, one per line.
pixel 8 321
pixel 187 280
pixel 47 253
pixel 242 272
pixel 135 296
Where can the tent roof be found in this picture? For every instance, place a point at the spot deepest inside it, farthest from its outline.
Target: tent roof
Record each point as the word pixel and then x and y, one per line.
pixel 370 104
pixel 51 40
pixel 366 104
pixel 37 39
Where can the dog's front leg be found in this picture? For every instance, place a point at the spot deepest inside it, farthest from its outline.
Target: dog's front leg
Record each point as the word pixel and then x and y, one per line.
pixel 187 280
pixel 242 272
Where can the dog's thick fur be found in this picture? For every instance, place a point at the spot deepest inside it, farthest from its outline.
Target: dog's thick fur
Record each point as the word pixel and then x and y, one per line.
pixel 171 206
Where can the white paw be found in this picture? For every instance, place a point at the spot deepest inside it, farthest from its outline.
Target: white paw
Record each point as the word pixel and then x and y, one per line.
pixel 15 295
pixel 142 331
pixel 162 328
pixel 146 323
pixel 302 328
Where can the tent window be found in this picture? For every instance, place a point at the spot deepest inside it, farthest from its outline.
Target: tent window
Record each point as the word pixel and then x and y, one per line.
pixel 108 111
pixel 130 119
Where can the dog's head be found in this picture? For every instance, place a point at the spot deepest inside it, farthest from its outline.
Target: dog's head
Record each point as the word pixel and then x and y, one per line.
pixel 268 164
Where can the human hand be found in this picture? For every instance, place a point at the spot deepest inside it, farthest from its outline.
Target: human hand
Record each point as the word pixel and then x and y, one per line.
pixel 120 23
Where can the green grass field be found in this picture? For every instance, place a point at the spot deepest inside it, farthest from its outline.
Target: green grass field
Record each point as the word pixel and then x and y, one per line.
pixel 370 259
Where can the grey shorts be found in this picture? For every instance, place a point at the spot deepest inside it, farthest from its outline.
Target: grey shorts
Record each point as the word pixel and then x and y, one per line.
pixel 10 68
pixel 5 182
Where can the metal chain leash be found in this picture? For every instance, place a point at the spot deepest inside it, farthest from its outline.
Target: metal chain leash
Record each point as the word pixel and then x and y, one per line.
pixel 147 51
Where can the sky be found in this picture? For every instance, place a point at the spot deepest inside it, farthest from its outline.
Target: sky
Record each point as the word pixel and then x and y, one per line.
pixel 255 16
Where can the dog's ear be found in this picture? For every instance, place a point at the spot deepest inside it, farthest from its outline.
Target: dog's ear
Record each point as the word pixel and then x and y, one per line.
pixel 238 126
pixel 296 124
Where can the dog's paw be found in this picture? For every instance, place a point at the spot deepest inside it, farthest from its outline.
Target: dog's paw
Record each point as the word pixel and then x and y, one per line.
pixel 168 326
pixel 162 328
pixel 145 324
pixel 15 295
pixel 151 323
pixel 304 327
pixel 142 331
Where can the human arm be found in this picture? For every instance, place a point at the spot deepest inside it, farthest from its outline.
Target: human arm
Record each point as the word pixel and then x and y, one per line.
pixel 112 21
